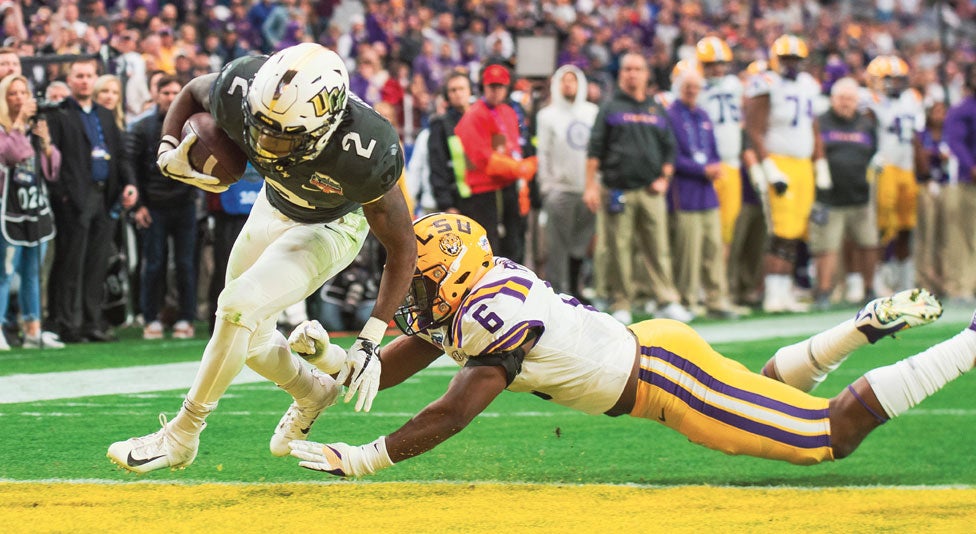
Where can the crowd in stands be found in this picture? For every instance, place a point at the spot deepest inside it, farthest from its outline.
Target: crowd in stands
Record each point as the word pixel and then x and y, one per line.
pixel 425 63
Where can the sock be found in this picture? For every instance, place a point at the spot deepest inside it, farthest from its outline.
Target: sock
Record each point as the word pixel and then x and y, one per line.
pixel 806 364
pixel 903 385
pixel 302 385
pixel 222 361
pixel 854 287
pixel 270 357
pixel 189 423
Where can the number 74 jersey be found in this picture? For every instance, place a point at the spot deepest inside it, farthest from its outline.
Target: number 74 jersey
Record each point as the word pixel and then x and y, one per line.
pixel 582 358
pixel 791 112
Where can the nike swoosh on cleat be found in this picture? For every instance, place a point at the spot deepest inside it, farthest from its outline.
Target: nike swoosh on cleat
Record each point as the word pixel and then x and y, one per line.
pixel 661 417
pixel 136 462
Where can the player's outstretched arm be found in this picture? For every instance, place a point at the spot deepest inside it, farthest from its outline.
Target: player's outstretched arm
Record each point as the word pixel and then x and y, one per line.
pixel 404 357
pixel 389 220
pixel 470 392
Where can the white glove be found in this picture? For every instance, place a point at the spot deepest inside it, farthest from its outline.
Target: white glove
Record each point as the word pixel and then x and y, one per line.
pixel 935 189
pixel 362 364
pixel 875 167
pixel 174 161
pixel 758 179
pixel 342 459
pixel 310 340
pixel 775 177
pixel 821 172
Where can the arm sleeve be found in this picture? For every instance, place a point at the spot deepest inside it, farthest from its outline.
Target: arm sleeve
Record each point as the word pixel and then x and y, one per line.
pixel 51 165
pixel 14 147
pixel 543 146
pixel 475 136
pixel 598 135
pixel 955 137
pixel 668 143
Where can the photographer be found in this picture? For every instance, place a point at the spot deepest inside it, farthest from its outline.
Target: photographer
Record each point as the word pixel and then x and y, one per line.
pixel 26 153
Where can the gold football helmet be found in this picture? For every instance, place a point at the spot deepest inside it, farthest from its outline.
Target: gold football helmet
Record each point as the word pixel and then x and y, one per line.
pixel 453 253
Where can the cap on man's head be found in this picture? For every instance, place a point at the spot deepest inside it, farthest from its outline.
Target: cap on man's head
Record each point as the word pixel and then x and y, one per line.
pixel 496 75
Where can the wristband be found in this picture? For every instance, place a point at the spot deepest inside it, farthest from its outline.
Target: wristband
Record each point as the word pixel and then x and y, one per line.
pixel 373 330
pixel 168 142
pixel 371 458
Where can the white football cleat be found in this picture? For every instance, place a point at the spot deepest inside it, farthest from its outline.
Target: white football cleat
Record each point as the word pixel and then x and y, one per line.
pixel 155 451
pixel 298 420
pixel 887 315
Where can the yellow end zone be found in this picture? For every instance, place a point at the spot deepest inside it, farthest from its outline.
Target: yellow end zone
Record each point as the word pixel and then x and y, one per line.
pixel 405 507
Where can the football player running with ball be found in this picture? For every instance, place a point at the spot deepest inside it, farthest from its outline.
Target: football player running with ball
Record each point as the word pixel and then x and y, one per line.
pixel 508 329
pixel 330 165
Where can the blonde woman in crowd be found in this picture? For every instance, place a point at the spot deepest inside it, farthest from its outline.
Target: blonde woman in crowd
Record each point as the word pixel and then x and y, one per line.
pixel 28 160
pixel 108 94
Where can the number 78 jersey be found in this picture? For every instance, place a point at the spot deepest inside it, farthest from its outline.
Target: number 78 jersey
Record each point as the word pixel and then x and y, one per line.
pixel 582 358
pixel 791 112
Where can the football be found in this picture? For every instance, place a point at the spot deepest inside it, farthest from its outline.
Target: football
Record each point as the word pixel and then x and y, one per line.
pixel 214 153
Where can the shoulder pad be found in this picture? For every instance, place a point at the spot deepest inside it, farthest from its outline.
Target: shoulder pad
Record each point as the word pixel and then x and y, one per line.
pixel 490 319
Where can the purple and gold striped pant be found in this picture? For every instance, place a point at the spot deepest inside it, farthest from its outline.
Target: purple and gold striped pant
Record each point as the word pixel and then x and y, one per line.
pixel 717 402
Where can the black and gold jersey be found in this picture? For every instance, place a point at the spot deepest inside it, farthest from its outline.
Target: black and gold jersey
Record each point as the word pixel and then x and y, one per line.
pixel 360 163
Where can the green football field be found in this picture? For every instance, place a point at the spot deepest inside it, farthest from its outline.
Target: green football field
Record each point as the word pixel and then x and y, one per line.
pixel 519 439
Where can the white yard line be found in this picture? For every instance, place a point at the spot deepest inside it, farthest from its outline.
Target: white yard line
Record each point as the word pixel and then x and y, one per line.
pixel 148 378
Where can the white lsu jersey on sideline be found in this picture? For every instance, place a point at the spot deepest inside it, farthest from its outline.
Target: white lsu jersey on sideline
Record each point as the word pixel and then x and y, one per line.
pixel 722 100
pixel 899 120
pixel 791 112
pixel 582 359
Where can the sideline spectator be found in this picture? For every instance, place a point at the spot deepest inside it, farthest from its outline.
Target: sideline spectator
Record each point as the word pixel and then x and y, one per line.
pixel 929 236
pixel 959 132
pixel 108 94
pixel 632 147
pixel 90 182
pixel 166 210
pixel 447 165
pixel 489 133
pixel 29 160
pixel 699 255
pixel 844 209
pixel 563 133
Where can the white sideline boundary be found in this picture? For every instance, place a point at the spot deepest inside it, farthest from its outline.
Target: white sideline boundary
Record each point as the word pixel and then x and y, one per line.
pixel 175 376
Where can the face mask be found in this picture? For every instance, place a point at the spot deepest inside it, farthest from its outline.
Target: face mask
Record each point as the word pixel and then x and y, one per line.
pixel 790 73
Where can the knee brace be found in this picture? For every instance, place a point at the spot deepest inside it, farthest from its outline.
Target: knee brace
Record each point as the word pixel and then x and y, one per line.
pixel 784 248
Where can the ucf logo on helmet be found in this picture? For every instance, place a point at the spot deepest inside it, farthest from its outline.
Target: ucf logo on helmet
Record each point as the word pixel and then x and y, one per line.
pixel 328 101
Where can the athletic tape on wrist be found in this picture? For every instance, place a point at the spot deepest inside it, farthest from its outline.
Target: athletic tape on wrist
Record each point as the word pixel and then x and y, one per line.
pixel 373 330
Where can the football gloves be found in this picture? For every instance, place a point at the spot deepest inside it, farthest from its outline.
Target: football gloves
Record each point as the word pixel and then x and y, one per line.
pixel 173 159
pixel 775 177
pixel 310 340
pixel 362 367
pixel 342 459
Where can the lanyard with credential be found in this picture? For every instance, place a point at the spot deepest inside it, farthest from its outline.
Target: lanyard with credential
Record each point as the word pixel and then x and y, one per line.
pixel 697 140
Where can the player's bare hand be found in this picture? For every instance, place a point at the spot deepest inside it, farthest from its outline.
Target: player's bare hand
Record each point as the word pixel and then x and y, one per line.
pixel 174 161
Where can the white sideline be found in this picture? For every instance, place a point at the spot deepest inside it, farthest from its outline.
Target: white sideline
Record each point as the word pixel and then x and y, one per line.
pixel 163 377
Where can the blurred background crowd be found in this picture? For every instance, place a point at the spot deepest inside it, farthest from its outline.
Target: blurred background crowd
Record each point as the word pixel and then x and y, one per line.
pixel 402 56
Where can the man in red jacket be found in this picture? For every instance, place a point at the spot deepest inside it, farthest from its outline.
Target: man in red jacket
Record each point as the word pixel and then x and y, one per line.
pixel 489 133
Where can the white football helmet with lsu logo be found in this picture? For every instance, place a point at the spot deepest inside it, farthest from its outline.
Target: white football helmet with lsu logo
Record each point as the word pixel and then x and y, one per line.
pixel 295 103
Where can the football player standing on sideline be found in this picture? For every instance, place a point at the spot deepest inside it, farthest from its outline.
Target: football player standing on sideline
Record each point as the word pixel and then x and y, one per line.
pixel 330 165
pixel 722 99
pixel 782 130
pixel 508 329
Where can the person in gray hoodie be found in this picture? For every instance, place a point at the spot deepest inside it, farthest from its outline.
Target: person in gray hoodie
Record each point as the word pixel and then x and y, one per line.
pixel 563 133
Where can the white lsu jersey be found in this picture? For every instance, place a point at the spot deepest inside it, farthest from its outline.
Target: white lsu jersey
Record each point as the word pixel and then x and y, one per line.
pixel 791 112
pixel 722 100
pixel 899 120
pixel 582 359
